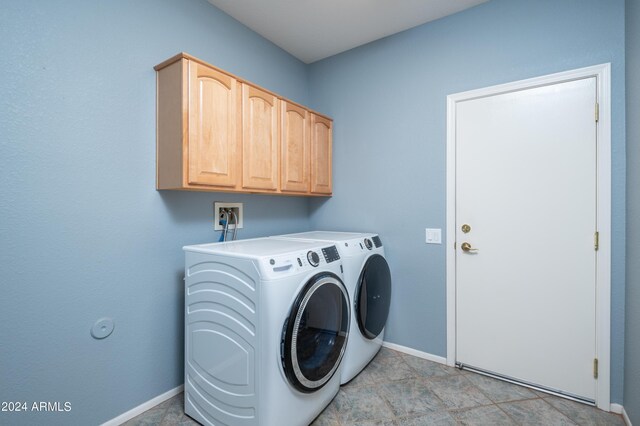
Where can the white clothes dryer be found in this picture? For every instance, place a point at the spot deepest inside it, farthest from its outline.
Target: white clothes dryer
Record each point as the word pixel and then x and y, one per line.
pixel 368 280
pixel 266 327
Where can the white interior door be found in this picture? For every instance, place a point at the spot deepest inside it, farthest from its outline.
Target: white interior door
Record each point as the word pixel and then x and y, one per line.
pixel 526 187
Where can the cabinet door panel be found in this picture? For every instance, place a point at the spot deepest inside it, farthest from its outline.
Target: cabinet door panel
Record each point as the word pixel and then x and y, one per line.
pixel 321 140
pixel 213 134
pixel 295 148
pixel 259 139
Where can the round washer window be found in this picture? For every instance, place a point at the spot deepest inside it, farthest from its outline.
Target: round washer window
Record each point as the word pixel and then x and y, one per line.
pixel 373 296
pixel 315 333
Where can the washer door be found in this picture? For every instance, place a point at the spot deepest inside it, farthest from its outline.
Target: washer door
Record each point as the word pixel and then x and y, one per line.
pixel 373 296
pixel 314 335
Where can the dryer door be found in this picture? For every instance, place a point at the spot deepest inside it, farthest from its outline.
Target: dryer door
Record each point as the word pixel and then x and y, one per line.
pixel 315 334
pixel 373 296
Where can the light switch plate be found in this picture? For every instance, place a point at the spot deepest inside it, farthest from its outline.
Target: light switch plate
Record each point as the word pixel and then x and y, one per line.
pixel 433 236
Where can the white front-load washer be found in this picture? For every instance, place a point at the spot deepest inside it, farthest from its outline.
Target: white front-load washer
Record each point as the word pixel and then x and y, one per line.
pixel 266 327
pixel 368 280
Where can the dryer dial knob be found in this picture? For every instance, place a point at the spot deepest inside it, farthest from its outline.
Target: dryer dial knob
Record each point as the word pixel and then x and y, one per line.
pixel 368 243
pixel 313 258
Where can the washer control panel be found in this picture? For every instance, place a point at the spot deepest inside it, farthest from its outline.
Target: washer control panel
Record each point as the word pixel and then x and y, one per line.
pixel 297 262
pixel 330 254
pixel 279 266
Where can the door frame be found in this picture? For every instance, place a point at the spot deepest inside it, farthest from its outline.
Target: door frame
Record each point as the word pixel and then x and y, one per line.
pixel 602 73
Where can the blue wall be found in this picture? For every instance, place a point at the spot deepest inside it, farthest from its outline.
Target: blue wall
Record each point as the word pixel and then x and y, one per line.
pixel 388 99
pixel 83 232
pixel 632 332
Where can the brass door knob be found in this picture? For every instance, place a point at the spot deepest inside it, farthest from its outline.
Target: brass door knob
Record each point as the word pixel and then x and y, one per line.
pixel 466 247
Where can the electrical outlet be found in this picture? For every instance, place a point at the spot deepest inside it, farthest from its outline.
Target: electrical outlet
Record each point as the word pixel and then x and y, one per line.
pixel 218 214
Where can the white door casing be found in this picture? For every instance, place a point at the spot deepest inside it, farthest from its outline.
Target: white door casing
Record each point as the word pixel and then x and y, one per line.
pixel 530 230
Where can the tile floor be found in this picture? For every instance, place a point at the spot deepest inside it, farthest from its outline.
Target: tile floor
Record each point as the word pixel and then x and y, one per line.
pixel 401 390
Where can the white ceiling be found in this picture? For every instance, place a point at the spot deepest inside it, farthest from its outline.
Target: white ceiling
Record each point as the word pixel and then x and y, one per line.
pixel 315 29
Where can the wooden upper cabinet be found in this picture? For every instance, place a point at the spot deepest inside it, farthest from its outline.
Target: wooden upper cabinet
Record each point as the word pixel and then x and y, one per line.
pixel 321 148
pixel 260 132
pixel 213 143
pixel 295 137
pixel 217 132
pixel 198 126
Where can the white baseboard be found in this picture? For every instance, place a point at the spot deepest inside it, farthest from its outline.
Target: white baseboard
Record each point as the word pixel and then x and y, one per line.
pixel 616 408
pixel 415 352
pixel 143 407
pixel 619 409
pixel 625 417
